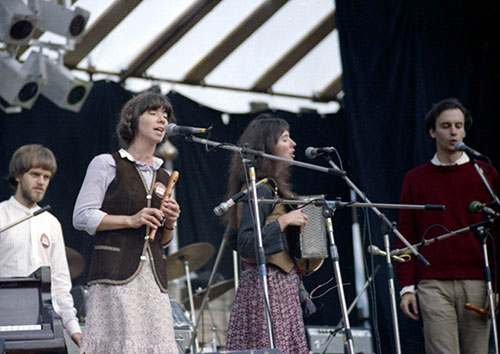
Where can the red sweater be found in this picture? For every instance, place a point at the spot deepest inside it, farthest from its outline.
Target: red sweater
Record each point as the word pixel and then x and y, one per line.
pixel 455 187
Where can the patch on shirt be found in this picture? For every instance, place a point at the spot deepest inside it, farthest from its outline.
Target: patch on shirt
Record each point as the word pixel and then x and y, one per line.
pixel 159 189
pixel 45 240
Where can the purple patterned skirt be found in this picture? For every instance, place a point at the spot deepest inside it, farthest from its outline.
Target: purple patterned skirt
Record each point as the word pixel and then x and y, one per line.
pixel 247 325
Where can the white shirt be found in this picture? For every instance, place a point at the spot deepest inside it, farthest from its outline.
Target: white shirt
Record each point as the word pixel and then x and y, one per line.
pixel 100 173
pixel 435 161
pixel 32 244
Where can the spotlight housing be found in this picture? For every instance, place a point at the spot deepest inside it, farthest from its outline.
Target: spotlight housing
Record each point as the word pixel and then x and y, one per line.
pixel 52 17
pixel 63 88
pixel 21 84
pixel 17 22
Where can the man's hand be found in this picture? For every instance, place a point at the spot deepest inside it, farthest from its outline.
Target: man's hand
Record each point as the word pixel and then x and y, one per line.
pixel 77 338
pixel 409 307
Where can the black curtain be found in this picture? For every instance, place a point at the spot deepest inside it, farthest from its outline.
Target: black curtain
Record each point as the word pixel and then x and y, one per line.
pixel 75 138
pixel 398 58
pixel 203 181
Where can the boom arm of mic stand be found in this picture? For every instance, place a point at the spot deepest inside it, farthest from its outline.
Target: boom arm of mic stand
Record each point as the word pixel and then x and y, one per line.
pixel 23 219
pixel 383 218
pixel 332 171
pixel 464 230
pixel 485 180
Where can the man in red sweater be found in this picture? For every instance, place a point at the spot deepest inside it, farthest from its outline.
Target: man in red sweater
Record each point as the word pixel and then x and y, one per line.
pixel 456 275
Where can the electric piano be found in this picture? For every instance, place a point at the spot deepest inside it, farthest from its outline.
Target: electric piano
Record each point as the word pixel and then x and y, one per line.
pixel 28 322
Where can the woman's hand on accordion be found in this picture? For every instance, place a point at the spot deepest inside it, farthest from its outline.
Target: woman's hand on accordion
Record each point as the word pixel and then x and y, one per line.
pixel 295 218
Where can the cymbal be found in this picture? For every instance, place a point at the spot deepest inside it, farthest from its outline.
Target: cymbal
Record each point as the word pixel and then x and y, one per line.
pixel 196 254
pixel 215 291
pixel 76 263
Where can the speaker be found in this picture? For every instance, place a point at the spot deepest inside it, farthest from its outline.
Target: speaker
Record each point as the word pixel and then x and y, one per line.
pixel 318 337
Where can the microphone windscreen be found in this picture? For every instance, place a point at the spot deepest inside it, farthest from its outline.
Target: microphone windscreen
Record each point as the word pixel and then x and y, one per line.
pixel 310 154
pixel 475 206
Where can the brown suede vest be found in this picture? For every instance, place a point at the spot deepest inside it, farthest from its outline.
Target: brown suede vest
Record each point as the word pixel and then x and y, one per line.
pixel 117 254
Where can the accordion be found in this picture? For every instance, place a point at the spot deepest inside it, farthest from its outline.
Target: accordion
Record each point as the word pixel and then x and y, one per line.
pixel 310 247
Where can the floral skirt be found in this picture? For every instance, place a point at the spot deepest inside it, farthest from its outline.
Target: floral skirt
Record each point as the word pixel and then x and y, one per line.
pixel 132 318
pixel 247 327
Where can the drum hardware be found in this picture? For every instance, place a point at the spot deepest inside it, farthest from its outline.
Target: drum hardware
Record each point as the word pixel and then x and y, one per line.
pixel 215 291
pixel 191 258
pixel 183 327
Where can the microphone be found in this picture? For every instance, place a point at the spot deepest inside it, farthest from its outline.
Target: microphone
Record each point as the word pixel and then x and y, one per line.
pixel 312 152
pixel 174 129
pixel 477 207
pixel 39 211
pixel 223 207
pixel 460 146
pixel 374 250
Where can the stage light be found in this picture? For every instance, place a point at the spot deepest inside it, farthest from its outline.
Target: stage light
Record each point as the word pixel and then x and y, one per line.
pixel 21 83
pixel 55 18
pixel 63 88
pixel 17 22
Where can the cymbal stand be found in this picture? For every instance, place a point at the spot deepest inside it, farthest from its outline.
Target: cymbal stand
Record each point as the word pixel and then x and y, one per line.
pixel 205 300
pixel 213 328
pixel 339 326
pixel 195 345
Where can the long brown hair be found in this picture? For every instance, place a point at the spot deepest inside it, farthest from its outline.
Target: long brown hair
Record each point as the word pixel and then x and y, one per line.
pixel 261 134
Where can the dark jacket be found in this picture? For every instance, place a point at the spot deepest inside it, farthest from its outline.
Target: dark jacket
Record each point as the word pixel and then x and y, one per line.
pixel 118 253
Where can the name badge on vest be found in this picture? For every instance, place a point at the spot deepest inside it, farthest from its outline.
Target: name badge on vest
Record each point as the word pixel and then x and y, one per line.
pixel 159 189
pixel 45 240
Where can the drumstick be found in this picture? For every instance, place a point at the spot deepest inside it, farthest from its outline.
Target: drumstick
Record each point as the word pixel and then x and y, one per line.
pixel 479 310
pixel 168 193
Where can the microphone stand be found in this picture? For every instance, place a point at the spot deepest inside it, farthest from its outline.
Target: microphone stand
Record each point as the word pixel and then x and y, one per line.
pixel 327 214
pixel 260 253
pixel 388 228
pixel 339 326
pixel 328 210
pixel 406 250
pixel 390 284
pixel 481 231
pixel 380 214
pixel 487 184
